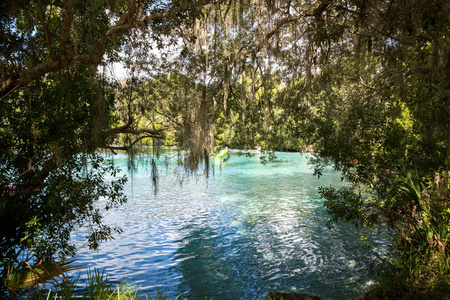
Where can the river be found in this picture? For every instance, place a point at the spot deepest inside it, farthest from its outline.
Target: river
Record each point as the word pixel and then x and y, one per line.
pixel 245 230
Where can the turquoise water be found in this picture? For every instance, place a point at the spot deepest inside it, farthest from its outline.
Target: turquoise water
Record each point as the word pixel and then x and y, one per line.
pixel 244 231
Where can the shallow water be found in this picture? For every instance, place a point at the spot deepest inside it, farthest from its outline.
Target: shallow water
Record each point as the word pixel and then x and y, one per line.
pixel 246 230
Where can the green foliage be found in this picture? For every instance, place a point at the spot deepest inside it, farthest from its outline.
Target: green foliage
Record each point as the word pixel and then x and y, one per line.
pixel 50 176
pixel 98 287
pixel 57 110
pixel 17 280
pixel 365 83
pixel 409 276
pixel 380 120
pixel 346 204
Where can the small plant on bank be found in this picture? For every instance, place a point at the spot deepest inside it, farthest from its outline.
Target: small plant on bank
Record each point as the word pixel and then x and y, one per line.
pixel 61 287
pixel 97 287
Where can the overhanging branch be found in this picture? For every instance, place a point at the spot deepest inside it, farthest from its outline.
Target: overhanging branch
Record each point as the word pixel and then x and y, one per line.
pixel 128 129
pixel 69 59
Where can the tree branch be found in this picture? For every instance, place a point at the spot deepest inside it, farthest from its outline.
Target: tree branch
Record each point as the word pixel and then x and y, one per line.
pixel 128 129
pixel 69 59
pixel 46 31
pixel 316 13
pixel 39 179
pixel 126 148
pixel 69 14
pixel 171 119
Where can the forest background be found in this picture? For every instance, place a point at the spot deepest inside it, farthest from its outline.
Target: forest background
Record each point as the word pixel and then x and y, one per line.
pixel 364 84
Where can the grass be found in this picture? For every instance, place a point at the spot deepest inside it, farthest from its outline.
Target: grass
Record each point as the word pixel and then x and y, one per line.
pixel 97 287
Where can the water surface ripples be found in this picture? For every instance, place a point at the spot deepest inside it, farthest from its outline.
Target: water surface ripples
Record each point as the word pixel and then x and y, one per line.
pixel 246 230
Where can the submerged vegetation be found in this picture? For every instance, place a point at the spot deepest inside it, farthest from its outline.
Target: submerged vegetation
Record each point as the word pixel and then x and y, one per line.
pixel 365 84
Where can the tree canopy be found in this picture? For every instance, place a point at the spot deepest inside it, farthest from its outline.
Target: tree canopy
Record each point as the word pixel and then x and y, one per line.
pixel 365 84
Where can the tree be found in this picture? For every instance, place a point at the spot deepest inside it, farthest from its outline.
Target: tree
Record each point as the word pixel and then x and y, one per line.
pixel 383 119
pixel 376 87
pixel 367 83
pixel 57 109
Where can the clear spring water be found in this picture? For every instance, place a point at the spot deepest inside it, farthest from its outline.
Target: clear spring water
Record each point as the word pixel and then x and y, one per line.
pixel 247 230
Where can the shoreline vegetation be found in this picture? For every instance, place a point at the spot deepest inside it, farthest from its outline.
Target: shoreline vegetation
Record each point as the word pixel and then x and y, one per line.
pixel 367 83
pixel 98 287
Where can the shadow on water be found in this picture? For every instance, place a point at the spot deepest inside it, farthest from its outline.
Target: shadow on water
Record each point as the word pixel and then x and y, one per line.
pixel 223 265
pixel 267 236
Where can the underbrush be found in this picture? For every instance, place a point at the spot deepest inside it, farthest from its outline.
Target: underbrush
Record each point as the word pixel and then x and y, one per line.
pixel 402 281
pixel 420 268
pixel 414 272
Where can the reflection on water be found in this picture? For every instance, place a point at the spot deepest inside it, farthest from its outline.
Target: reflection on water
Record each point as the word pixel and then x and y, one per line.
pixel 247 230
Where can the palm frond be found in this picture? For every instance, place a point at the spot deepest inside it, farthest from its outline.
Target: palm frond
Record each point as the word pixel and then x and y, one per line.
pixel 39 273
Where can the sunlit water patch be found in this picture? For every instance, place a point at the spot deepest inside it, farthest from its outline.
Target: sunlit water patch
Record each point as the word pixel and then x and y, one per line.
pixel 244 231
